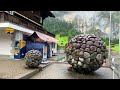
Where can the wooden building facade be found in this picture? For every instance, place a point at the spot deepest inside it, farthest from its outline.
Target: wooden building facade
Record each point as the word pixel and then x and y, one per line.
pixel 18 24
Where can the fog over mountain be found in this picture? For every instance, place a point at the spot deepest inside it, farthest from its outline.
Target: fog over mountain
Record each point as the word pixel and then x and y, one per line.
pixel 67 15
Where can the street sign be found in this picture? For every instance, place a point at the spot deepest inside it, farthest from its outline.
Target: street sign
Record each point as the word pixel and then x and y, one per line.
pixel 16 52
pixel 45 61
pixel 22 44
pixel 44 53
pixel 9 30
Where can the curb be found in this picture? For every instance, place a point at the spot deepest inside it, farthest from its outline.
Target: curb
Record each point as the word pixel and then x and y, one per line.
pixel 116 71
pixel 29 75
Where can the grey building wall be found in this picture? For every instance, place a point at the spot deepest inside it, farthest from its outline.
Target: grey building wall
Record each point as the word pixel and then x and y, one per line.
pixel 17 35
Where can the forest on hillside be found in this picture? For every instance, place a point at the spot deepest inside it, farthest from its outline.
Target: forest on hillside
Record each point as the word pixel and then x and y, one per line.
pixel 59 26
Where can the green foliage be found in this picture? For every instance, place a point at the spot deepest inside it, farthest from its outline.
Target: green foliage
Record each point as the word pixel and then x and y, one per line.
pixel 96 32
pixel 113 42
pixel 105 40
pixel 62 40
pixel 116 48
pixel 60 26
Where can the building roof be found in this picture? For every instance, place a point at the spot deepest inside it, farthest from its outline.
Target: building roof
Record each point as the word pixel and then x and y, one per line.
pixel 45 14
pixel 37 36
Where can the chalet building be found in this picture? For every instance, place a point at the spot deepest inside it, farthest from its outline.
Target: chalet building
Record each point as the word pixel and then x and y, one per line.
pixel 20 28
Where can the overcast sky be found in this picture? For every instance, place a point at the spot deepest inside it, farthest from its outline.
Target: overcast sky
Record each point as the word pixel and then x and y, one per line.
pixel 83 14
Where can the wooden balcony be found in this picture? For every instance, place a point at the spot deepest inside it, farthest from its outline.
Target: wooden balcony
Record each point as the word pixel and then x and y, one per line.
pixel 4 17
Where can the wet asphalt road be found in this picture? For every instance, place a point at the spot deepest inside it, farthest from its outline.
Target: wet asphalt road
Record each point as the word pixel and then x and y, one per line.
pixel 60 71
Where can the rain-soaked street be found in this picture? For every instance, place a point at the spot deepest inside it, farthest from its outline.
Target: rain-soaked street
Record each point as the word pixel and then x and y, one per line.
pixel 60 71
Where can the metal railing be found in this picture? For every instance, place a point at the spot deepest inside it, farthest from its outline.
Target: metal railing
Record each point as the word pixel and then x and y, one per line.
pixel 116 66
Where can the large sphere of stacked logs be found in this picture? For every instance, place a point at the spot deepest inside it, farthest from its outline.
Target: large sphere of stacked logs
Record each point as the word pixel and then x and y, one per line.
pixel 33 58
pixel 86 53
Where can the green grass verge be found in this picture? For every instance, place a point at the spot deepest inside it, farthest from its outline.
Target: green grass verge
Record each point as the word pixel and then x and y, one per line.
pixel 116 47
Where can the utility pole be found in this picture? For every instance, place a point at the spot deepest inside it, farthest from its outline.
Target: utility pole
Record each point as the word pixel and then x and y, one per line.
pixel 81 27
pixel 110 37
pixel 85 26
pixel 119 39
pixel 78 24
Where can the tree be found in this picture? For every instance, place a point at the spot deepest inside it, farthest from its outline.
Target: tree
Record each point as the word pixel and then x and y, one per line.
pixel 115 21
pixel 59 26
pixel 104 16
pixel 96 32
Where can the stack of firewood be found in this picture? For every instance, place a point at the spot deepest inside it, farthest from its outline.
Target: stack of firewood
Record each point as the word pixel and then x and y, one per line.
pixel 86 53
pixel 33 58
